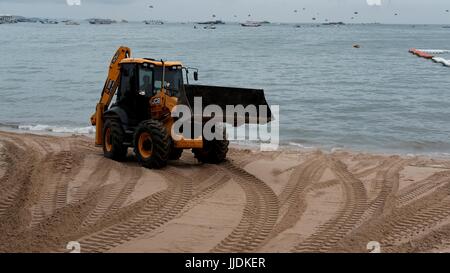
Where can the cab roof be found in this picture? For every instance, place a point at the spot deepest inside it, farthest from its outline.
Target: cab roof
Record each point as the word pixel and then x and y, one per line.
pixel 150 61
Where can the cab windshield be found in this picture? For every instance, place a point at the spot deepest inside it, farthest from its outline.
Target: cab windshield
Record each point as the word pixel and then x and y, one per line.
pixel 173 80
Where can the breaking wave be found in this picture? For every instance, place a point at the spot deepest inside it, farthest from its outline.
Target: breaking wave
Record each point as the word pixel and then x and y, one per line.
pixel 56 129
pixel 89 130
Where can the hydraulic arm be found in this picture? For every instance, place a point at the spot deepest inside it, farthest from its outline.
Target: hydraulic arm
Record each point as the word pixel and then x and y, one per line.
pixel 109 89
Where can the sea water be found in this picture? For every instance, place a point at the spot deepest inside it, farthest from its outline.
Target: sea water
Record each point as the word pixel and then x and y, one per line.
pixel 331 95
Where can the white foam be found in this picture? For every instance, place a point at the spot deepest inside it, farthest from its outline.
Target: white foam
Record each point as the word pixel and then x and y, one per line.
pixel 57 129
pixel 300 145
pixel 337 149
pixel 442 61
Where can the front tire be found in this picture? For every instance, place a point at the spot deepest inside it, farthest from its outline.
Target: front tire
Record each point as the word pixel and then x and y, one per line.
pixel 175 153
pixel 152 144
pixel 213 151
pixel 113 139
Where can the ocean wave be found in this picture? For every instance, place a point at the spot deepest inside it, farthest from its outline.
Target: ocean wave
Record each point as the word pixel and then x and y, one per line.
pixel 58 129
pixel 299 145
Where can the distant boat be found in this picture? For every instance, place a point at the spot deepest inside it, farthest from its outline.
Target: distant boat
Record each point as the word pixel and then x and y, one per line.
pixel 216 22
pixel 21 19
pixel 124 21
pixel 251 24
pixel 334 24
pixel 7 19
pixel 48 21
pixel 446 27
pixel 101 21
pixel 72 23
pixel 210 27
pixel 154 22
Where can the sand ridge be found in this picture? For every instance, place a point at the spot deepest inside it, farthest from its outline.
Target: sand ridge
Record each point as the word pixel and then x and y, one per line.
pixel 54 190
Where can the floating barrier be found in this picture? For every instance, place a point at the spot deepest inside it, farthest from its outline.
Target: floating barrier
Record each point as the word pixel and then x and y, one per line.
pixel 426 53
pixel 434 51
pixel 421 54
pixel 443 61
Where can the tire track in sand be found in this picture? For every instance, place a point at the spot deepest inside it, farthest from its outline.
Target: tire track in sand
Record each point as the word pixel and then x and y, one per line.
pixel 330 233
pixel 435 241
pixel 417 217
pixel 259 217
pixel 386 184
pixel 60 169
pixel 115 195
pixel 64 162
pixel 216 180
pixel 292 198
pixel 402 224
pixel 428 184
pixel 96 178
pixel 102 240
pixel 157 210
pixel 20 164
pixel 120 225
pixel 25 156
pixel 334 182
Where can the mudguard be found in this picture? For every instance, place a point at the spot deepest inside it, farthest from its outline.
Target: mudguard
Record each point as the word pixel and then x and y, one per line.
pixel 117 112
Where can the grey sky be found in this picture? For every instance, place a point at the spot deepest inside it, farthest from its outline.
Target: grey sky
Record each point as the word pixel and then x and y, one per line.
pixel 409 11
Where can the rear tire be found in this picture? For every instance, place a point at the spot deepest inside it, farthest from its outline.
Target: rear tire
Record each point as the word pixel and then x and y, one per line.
pixel 213 151
pixel 113 139
pixel 152 144
pixel 175 153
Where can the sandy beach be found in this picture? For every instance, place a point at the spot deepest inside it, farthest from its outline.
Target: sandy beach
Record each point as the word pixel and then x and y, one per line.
pixel 54 190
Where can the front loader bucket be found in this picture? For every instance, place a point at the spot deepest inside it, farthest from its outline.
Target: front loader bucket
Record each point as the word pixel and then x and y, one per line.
pixel 223 96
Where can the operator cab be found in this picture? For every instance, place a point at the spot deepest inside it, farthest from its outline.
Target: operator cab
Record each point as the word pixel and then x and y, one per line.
pixel 142 79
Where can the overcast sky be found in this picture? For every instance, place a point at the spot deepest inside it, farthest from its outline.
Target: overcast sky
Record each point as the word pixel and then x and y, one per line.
pixel 409 11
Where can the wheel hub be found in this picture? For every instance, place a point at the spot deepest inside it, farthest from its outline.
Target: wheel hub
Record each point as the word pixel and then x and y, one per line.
pixel 145 145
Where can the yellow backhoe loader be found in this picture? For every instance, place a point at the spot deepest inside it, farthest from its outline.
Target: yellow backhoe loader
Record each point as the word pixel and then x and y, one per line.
pixel 146 92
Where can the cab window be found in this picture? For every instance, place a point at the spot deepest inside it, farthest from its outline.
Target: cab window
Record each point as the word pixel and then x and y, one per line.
pixel 146 82
pixel 127 82
pixel 173 81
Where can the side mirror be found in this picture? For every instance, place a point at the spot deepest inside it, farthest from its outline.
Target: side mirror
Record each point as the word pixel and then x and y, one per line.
pixel 196 75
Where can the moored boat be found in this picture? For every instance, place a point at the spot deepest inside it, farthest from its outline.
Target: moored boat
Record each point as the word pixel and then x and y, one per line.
pixel 154 22
pixel 251 24
pixel 101 21
pixel 210 27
